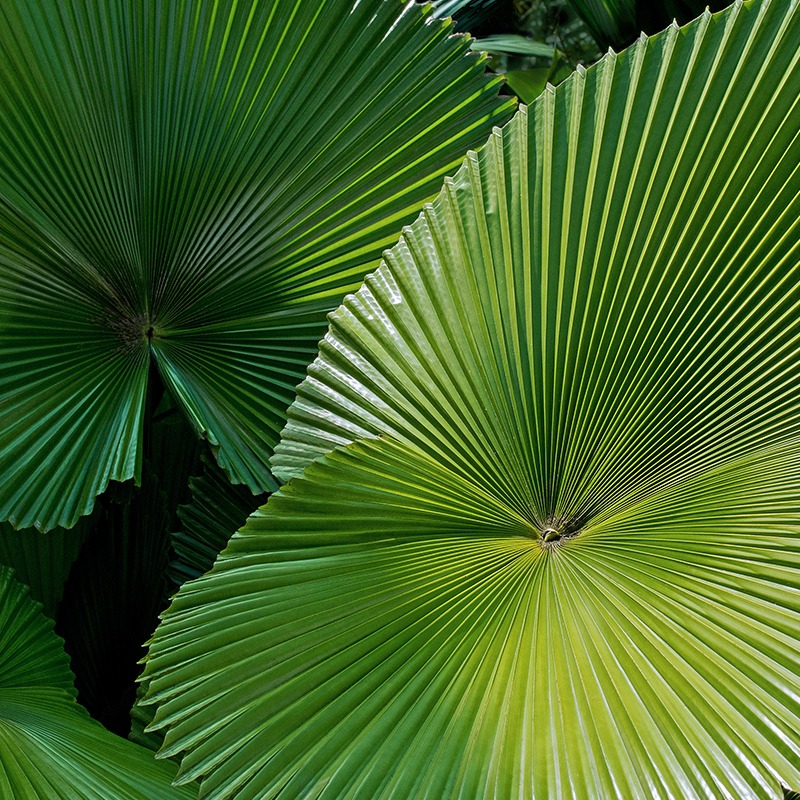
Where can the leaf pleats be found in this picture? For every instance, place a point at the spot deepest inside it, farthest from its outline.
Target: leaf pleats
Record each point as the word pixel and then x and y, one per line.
pixel 49 746
pixel 198 185
pixel 541 539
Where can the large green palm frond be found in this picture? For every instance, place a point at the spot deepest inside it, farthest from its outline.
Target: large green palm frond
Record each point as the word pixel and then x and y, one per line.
pixel 49 746
pixel 198 184
pixel 555 552
pixel 609 290
pixel 385 628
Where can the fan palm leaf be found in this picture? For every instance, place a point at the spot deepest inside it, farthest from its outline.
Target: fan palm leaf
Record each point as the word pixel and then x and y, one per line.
pixel 197 185
pixel 49 746
pixel 216 510
pixel 542 536
pixel 42 563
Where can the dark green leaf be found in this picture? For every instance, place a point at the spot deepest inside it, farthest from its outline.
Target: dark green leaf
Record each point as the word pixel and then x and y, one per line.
pixel 49 746
pixel 612 22
pixel 113 597
pixel 42 562
pixel 199 185
pixel 217 510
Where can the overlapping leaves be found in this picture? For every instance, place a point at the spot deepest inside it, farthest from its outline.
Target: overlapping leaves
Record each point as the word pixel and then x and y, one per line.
pixel 198 184
pixel 546 542
pixel 49 746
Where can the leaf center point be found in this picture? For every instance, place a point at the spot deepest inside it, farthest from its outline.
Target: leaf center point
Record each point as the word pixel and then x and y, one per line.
pixel 554 532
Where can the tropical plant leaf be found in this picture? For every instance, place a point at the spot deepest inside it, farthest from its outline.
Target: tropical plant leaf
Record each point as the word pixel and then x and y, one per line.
pixel 174 453
pixel 385 628
pixel 199 185
pixel 474 15
pixel 528 84
pixel 216 511
pixel 616 23
pixel 612 22
pixel 569 564
pixel 513 44
pixel 49 746
pixel 141 718
pixel 605 299
pixel 30 655
pixel 42 562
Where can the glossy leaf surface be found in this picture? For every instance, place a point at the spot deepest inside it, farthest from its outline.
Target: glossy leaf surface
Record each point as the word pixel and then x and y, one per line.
pixel 198 184
pixel 555 551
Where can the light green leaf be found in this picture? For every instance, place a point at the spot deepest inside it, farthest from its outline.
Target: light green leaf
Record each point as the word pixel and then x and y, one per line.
pixel 606 299
pixel 568 565
pixel 385 628
pixel 199 184
pixel 49 746
pixel 514 44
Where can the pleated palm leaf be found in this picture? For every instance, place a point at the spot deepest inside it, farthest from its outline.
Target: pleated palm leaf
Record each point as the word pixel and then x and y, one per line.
pixel 49 746
pixel 42 563
pixel 196 185
pixel 543 537
pixel 216 510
